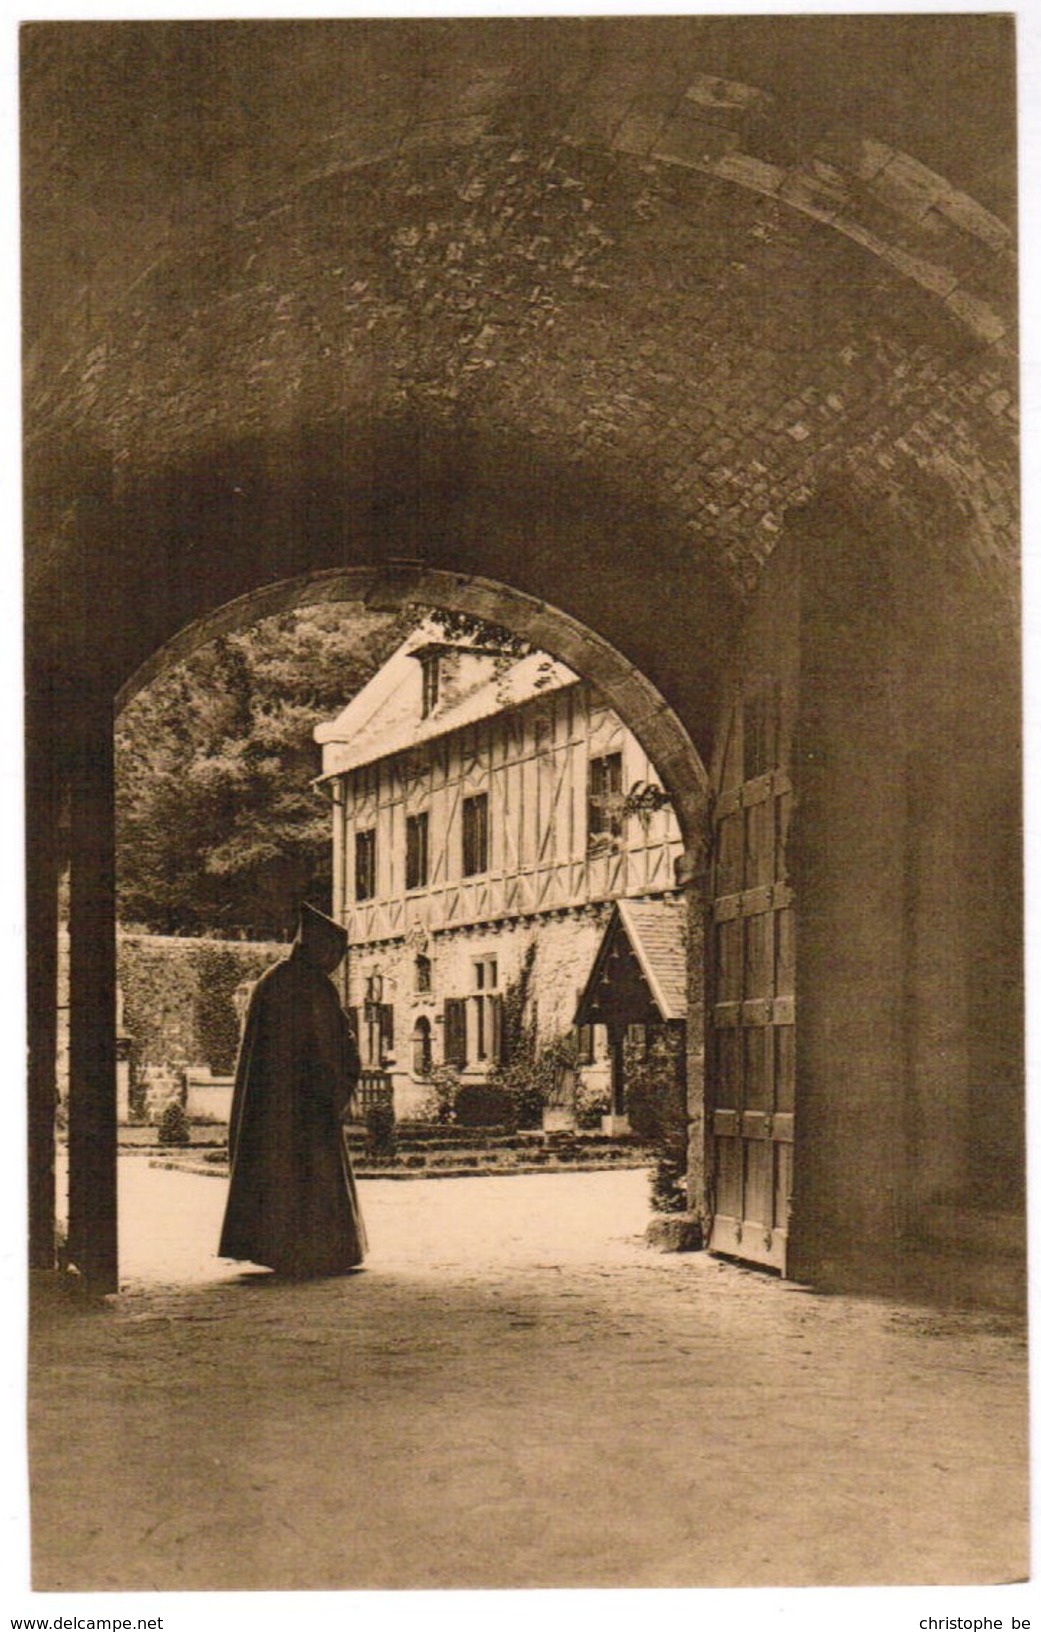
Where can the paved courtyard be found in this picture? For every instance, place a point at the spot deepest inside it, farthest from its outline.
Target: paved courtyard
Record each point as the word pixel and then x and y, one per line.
pixel 514 1392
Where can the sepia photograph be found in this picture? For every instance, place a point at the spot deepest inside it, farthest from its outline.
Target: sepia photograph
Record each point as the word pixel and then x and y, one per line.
pixel 523 785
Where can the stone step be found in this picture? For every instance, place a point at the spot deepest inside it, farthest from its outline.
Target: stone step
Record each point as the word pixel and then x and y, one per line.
pixel 429 1163
pixel 420 1138
pixel 511 1142
pixel 481 1165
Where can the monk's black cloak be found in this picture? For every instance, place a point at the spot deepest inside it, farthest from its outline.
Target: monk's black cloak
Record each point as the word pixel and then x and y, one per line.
pixel 292 1203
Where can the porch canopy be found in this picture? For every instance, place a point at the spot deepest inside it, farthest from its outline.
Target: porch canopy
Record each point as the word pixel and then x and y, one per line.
pixel 639 974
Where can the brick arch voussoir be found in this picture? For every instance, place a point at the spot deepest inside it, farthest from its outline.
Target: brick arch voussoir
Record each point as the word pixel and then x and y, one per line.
pixel 393 586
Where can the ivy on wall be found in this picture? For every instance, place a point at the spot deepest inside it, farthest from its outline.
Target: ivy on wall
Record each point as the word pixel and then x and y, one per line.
pixel 179 1006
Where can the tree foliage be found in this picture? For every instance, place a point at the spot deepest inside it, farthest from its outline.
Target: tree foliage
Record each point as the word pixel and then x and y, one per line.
pixel 219 828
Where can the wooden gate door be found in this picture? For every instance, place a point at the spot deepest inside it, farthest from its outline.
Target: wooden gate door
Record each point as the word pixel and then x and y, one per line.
pixel 751 974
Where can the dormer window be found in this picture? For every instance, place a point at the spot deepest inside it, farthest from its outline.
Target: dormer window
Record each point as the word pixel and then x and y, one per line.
pixel 431 669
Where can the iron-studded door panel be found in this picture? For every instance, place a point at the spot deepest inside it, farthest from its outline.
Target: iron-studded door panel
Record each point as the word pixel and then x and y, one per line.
pixel 751 971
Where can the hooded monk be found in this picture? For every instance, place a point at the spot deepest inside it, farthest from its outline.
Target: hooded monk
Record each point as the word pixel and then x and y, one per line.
pixel 292 1203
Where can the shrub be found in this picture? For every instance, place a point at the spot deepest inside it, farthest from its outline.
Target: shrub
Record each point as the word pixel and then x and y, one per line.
pixel 531 1076
pixel 534 1076
pixel 669 1183
pixel 590 1105
pixel 173 1125
pixel 380 1129
pixel 552 1077
pixel 179 1000
pixel 656 1097
pixel 485 1105
pixel 439 1104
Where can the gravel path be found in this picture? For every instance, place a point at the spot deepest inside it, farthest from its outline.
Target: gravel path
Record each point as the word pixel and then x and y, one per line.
pixel 514 1392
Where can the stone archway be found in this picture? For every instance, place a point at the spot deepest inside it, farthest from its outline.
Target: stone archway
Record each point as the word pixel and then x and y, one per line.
pixel 603 309
pixel 92 1201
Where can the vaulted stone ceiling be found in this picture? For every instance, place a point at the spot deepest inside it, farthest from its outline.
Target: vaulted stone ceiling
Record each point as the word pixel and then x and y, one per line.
pixel 136 135
pixel 667 277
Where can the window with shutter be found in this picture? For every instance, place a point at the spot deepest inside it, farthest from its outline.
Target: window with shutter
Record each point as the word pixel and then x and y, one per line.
pixel 387 1028
pixel 475 835
pixel 604 804
pixel 416 849
pixel 455 1031
pixel 365 865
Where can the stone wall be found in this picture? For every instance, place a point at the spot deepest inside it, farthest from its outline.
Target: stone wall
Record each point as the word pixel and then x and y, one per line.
pixel 906 853
pixel 182 1003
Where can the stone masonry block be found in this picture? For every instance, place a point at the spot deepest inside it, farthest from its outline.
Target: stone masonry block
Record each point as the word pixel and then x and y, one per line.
pixel 747 171
pixel 972 218
pixel 852 154
pixel 459 132
pixel 860 234
pixel 694 142
pixel 814 196
pixel 643 124
pixel 985 323
pixel 675 1232
pixel 729 95
pixel 907 187
pixel 927 273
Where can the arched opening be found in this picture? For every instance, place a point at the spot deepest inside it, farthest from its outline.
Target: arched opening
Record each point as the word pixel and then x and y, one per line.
pixel 821 307
pixel 422 1052
pixel 641 714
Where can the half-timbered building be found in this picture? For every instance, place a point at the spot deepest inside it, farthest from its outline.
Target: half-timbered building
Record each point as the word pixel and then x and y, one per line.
pixel 488 810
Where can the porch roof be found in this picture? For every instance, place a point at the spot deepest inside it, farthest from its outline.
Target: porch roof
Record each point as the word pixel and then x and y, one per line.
pixel 652 928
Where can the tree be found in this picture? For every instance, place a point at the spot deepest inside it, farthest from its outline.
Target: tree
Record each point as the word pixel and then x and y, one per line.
pixel 218 827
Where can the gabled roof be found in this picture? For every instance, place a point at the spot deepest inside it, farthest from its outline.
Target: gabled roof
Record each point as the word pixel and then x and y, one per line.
pixel 653 929
pixel 385 716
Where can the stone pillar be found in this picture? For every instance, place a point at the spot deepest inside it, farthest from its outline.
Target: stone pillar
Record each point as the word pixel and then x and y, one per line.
pixel 92 1005
pixel 616 1044
pixel 693 873
pixel 41 809
pixel 848 862
pixel 938 976
pixel 617 1120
